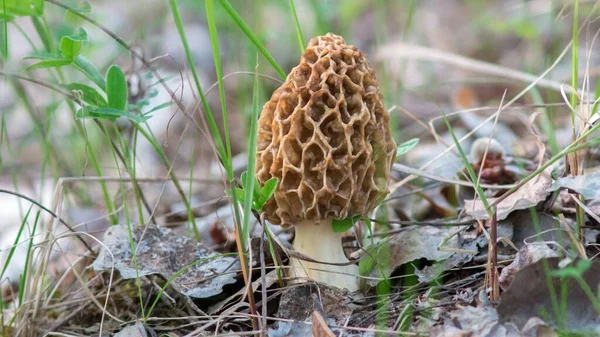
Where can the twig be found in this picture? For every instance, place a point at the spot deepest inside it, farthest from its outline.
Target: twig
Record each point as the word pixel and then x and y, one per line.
pixel 495 296
pixel 435 177
pixel 400 50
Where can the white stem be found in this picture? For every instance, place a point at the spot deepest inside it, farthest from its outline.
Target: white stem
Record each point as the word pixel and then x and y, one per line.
pixel 321 243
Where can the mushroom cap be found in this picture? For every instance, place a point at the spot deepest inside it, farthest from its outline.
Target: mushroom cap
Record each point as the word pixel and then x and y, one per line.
pixel 493 147
pixel 325 135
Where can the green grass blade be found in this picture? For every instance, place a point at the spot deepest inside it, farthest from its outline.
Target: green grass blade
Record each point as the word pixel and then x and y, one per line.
pixel 22 285
pixel 214 42
pixel 575 61
pixel 251 177
pixel 298 29
pixel 596 97
pixel 250 34
pixel 547 127
pixel 468 166
pixel 43 33
pixel 16 243
pixel 5 42
pixel 321 22
pixel 209 116
pixel 212 28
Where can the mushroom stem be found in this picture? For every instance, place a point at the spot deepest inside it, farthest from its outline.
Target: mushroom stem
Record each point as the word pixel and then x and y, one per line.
pixel 321 243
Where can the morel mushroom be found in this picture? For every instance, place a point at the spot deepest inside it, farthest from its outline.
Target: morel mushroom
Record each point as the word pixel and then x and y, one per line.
pixel 325 135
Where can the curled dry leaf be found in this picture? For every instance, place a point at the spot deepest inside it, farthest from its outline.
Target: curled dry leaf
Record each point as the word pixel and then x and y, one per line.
pixel 135 330
pixel 529 195
pixel 474 321
pixel 162 252
pixel 527 255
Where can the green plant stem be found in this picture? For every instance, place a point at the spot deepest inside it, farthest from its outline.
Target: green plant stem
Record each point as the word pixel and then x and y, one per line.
pixel 207 111
pixel 298 29
pixel 5 31
pixel 469 168
pixel 250 34
pixel 241 235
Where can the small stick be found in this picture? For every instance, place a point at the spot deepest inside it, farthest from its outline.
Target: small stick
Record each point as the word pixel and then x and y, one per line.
pixel 495 295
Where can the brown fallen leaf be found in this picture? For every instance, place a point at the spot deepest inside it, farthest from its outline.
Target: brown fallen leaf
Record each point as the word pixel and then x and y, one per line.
pixel 319 326
pixel 527 255
pixel 529 195
pixel 200 272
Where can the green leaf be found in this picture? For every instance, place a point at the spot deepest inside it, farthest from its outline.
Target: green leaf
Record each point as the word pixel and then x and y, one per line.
pixel 340 226
pixel 87 68
pixel 573 271
pixel 80 36
pixel 116 88
pixel 90 111
pixel 6 17
pixel 243 178
pixel 48 64
pixel 73 19
pixel 241 194
pixel 268 189
pixel 22 7
pixel 90 95
pixel 405 147
pixel 367 222
pixel 43 56
pixel 158 107
pixel 70 46
pixel 597 95
pixel 369 261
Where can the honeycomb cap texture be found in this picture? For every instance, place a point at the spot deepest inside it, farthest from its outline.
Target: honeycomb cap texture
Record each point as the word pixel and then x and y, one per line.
pixel 325 135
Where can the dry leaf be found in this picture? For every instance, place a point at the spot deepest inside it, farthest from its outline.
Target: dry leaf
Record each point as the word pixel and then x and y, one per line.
pixel 474 321
pixel 319 326
pixel 166 253
pixel 412 244
pixel 527 255
pixel 529 195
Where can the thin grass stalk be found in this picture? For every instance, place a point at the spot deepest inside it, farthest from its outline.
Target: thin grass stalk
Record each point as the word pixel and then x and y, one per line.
pixel 2 132
pixel 207 111
pixel 576 164
pixel 249 184
pixel 495 295
pixel 250 34
pixel 241 231
pixel 8 259
pixel 134 147
pixel 5 42
pixel 298 29
pixel 468 166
